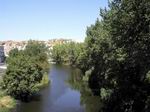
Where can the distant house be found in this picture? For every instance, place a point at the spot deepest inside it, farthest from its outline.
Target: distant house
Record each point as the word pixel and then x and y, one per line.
pixel 2 55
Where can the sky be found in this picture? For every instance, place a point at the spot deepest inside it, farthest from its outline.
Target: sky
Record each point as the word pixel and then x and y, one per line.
pixel 47 19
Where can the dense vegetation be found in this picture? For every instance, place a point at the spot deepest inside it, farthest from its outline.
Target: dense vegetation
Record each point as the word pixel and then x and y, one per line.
pixel 116 55
pixel 7 103
pixel 115 59
pixel 25 71
pixel 67 53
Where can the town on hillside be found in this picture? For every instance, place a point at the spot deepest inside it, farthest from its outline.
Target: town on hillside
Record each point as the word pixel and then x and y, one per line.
pixel 6 46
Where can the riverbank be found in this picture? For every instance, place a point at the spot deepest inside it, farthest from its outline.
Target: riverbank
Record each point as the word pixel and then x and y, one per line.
pixel 7 103
pixel 44 82
pixel 58 96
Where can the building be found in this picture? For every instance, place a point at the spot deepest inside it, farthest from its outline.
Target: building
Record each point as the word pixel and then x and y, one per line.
pixel 7 46
pixel 2 56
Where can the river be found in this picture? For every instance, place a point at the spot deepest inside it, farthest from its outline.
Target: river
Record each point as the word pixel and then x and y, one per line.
pixel 66 93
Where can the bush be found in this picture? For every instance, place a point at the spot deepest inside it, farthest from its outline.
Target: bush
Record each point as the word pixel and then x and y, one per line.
pixel 44 82
pixel 25 71
pixel 21 76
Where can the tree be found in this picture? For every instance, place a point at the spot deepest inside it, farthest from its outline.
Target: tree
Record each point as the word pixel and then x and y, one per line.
pixel 117 54
pixel 14 52
pixel 58 53
pixel 130 34
pixel 95 58
pixel 73 51
pixel 21 77
pixel 67 53
pixel 39 52
pixel 25 70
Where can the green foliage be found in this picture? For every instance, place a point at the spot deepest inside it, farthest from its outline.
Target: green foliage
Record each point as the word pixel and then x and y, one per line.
pixel 90 102
pixel 21 76
pixel 25 70
pixel 105 93
pixel 66 53
pixel 148 77
pixel 7 103
pixel 44 82
pixel 13 52
pixel 130 34
pixel 117 50
pixel 87 75
pixel 58 53
pixel 39 53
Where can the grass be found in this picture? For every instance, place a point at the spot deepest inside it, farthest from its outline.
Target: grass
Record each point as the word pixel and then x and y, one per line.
pixel 6 102
pixel 44 82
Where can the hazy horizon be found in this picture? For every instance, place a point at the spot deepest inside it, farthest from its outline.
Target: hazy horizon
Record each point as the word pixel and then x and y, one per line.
pixel 40 39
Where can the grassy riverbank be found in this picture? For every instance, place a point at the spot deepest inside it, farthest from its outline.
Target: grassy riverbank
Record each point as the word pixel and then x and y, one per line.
pixel 6 102
pixel 44 82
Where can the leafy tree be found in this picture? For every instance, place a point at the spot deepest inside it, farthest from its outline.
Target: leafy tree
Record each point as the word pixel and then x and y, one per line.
pixel 25 71
pixel 73 52
pixel 57 53
pixel 95 58
pixel 21 76
pixel 130 34
pixel 66 53
pixel 39 52
pixel 118 53
pixel 13 52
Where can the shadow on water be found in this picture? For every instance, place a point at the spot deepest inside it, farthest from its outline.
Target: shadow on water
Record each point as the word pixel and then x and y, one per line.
pixel 66 93
pixel 90 101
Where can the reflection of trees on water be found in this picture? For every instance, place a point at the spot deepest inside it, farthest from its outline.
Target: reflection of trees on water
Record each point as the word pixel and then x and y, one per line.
pixel 121 98
pixel 88 100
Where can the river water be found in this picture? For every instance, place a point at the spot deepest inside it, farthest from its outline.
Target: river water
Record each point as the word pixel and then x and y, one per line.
pixel 66 93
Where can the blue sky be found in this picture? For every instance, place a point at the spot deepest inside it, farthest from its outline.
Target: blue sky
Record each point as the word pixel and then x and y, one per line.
pixel 47 19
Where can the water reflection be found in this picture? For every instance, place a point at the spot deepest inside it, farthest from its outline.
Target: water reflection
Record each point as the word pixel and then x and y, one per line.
pixel 66 93
pixel 91 102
